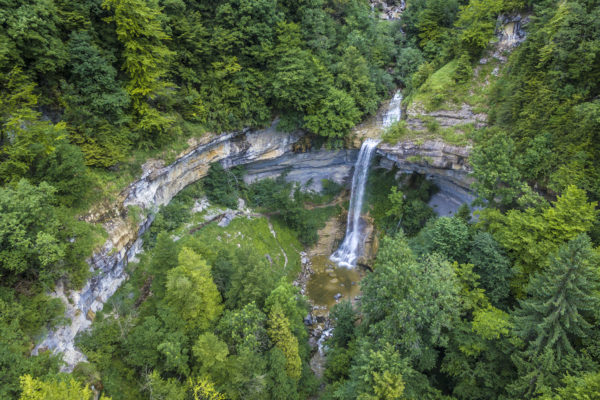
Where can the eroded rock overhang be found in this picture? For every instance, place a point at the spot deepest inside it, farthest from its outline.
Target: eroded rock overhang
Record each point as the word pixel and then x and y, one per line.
pixel 267 153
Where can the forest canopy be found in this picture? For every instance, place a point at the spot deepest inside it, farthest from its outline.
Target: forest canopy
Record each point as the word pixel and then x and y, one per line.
pixel 502 303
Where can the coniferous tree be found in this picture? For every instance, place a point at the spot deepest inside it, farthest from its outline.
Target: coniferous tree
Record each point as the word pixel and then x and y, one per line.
pixel 96 104
pixel 283 338
pixel 146 60
pixel 561 309
pixel 192 293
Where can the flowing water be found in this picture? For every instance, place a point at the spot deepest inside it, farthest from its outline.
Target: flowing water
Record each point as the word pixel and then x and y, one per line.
pixel 333 277
pixel 394 112
pixel 347 254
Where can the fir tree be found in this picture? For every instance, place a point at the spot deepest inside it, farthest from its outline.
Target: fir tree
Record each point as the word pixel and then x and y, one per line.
pixel 561 309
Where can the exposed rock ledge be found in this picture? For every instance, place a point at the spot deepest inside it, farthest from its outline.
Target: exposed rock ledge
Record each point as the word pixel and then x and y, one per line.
pixel 445 118
pixel 444 164
pixel 432 157
pixel 159 184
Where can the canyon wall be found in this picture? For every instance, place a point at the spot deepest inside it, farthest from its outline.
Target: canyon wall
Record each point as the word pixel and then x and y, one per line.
pixel 266 153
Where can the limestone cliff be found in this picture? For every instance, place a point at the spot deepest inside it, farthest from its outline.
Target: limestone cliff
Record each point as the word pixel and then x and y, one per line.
pixel 266 153
pixel 157 186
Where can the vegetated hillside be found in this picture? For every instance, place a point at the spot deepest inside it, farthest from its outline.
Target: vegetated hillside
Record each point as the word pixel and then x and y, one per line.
pixel 90 89
pixel 502 308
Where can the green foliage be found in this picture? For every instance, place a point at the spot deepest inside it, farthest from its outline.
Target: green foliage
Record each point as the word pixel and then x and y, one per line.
pixel 24 138
pixel 434 23
pixel 580 387
pixel 408 62
pixel 463 71
pixel 492 265
pixel 21 318
pixel 30 229
pixel 418 305
pixel 398 131
pixel 224 186
pixel 497 177
pixel 286 201
pixel 344 317
pixel 334 117
pixel 31 33
pixel 34 236
pixel 191 292
pixel 380 374
pixel 393 209
pixel 65 170
pixel 252 280
pixel 96 108
pixel 550 336
pixel 244 329
pixel 281 335
pixel 34 389
pixel 203 389
pixel 81 83
pixel 146 60
pixel 548 101
pixel 446 236
pixel 477 22
pixel 530 236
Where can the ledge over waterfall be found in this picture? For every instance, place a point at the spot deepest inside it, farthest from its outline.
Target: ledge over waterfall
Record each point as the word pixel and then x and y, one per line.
pixel 268 152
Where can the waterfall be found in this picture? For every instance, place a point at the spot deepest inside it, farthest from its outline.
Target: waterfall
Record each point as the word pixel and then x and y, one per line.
pixel 394 111
pixel 349 251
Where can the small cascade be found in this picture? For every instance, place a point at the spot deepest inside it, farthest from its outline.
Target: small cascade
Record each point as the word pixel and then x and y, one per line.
pixel 394 111
pixel 347 254
pixel 326 334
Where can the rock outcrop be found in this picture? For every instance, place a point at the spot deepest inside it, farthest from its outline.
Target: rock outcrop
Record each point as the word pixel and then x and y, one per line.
pixel 308 169
pixel 388 10
pixel 267 153
pixel 432 157
pixel 510 30
pixel 446 118
pixel 157 186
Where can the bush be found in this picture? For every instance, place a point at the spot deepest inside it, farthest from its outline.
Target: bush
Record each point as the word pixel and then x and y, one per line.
pixel 224 186
pixel 463 71
pixel 396 132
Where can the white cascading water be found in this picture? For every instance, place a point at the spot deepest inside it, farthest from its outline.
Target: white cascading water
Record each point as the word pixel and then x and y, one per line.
pixel 347 254
pixel 394 112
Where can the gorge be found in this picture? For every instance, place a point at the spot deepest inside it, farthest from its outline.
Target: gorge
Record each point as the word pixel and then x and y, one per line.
pixel 266 153
pixel 267 200
pixel 352 246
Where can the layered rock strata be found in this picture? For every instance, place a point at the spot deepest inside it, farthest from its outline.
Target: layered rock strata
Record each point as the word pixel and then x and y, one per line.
pixel 267 153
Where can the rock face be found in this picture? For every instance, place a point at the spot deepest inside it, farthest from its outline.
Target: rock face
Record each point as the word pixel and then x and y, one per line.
pixel 306 168
pixel 388 10
pixel 432 157
pixel 510 30
pixel 444 164
pixel 157 186
pixel 445 118
pixel 267 153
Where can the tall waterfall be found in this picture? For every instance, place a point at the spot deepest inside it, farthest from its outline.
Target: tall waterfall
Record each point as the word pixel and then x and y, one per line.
pixel 394 111
pixel 347 254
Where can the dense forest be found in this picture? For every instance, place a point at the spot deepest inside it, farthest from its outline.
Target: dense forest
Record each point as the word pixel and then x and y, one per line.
pixel 501 305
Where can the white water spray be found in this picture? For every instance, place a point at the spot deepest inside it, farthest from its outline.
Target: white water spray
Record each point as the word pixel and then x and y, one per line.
pixel 351 248
pixel 394 112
